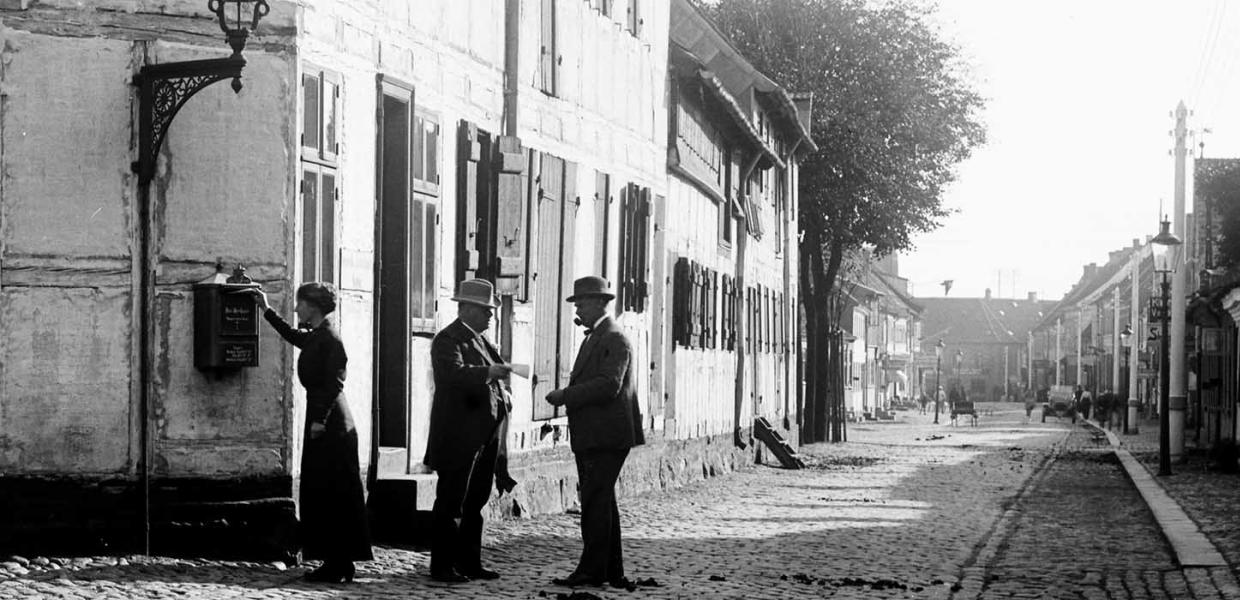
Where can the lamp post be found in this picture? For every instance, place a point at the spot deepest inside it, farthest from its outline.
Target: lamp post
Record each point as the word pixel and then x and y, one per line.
pixel 162 90
pixel 938 378
pixel 1165 246
pixel 959 359
pixel 1125 341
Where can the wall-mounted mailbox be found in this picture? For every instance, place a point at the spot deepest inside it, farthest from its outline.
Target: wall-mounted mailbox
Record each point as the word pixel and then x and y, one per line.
pixel 226 322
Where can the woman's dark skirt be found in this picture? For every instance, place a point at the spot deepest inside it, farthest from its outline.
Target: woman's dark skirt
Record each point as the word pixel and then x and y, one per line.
pixel 333 506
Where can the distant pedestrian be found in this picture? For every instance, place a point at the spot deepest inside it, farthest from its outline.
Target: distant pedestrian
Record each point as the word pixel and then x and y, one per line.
pixel 1030 404
pixel 1083 405
pixel 923 401
pixel 1102 409
pixel 331 500
pixel 604 423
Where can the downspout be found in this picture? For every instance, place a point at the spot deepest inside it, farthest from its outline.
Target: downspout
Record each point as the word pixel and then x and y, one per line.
pixel 794 352
pixel 742 242
pixel 512 46
pixel 512 87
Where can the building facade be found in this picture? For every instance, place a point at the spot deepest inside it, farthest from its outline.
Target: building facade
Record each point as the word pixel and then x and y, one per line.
pixel 373 146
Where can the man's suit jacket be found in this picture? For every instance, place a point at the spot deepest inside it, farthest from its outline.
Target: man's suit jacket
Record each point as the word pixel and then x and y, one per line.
pixel 468 409
pixel 601 398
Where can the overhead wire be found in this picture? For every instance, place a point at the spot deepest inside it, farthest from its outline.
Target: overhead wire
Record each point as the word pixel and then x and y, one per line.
pixel 1207 51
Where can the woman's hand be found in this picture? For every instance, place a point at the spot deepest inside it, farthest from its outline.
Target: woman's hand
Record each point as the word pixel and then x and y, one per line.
pixel 260 298
pixel 316 430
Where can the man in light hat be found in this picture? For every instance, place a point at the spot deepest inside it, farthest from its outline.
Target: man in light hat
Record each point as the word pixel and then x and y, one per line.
pixel 468 431
pixel 604 422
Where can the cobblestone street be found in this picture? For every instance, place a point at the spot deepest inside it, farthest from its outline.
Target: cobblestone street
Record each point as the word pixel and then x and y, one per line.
pixel 903 510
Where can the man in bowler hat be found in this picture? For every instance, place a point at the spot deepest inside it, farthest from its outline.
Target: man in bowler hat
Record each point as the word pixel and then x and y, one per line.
pixel 603 423
pixel 468 431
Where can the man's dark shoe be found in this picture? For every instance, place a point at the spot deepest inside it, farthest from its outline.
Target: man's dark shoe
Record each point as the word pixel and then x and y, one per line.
pixel 622 583
pixel 578 580
pixel 449 576
pixel 479 573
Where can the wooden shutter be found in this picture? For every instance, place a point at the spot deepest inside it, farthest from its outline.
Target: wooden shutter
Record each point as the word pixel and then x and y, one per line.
pixel 622 271
pixel 546 282
pixel 512 218
pixel 469 153
pixel 681 292
pixel 714 309
pixel 568 242
pixel 602 212
pixel 641 275
pixel 548 58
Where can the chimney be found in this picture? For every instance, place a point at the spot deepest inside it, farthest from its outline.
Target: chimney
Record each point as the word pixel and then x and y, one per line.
pixel 1033 296
pixel 1091 269
pixel 1136 242
pixel 988 293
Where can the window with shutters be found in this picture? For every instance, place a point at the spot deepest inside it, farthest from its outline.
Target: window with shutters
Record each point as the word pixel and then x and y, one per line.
pixel 320 124
pixel 318 205
pixel 424 143
pixel 634 18
pixel 634 240
pixel 549 54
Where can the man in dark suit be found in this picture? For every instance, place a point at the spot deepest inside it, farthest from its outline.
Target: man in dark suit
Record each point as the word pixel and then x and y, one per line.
pixel 468 431
pixel 604 422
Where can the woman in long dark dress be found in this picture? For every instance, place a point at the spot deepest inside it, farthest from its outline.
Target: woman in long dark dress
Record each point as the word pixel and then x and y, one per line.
pixel 332 503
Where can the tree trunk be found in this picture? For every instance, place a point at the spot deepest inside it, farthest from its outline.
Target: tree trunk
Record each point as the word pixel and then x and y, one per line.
pixel 811 406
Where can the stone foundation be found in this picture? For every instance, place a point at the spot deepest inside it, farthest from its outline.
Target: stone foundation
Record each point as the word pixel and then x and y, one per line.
pixel 252 518
pixel 548 479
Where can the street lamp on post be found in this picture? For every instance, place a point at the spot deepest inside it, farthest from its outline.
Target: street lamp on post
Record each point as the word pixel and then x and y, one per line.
pixel 1125 340
pixel 1166 247
pixel 959 359
pixel 162 90
pixel 938 377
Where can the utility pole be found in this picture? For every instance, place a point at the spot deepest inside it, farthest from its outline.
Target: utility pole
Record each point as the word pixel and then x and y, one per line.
pixel 1176 401
pixel 1058 350
pixel 1134 323
pixel 1080 330
pixel 1116 346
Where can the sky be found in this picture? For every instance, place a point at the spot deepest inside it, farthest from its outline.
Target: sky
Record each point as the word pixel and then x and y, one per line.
pixel 1079 101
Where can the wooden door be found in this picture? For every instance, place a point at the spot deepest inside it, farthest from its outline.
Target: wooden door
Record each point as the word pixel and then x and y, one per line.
pixel 393 272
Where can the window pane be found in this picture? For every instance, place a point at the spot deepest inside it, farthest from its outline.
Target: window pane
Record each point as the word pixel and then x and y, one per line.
pixel 331 107
pixel 428 289
pixel 432 152
pixel 419 151
pixel 309 225
pixel 310 117
pixel 327 230
pixel 417 262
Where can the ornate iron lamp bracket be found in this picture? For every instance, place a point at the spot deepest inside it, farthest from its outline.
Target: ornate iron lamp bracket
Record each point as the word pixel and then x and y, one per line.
pixel 162 90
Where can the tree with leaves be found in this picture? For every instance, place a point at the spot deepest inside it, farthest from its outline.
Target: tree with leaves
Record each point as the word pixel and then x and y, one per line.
pixel 894 113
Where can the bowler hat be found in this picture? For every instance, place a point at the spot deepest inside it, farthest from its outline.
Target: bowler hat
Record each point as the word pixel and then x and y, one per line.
pixel 591 287
pixel 476 291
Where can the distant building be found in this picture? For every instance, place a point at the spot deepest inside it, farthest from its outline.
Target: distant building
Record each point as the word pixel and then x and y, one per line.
pixel 985 343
